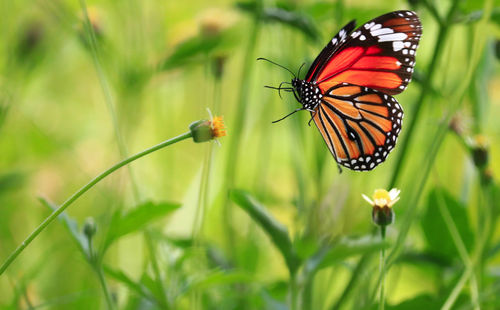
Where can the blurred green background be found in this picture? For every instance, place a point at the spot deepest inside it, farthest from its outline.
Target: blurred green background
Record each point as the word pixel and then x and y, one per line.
pixel 263 221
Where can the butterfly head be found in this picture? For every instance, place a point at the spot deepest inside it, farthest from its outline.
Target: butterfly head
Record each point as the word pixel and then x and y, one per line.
pixel 309 95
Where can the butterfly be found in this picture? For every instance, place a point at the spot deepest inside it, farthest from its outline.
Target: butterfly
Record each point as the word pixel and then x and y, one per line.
pixel 348 88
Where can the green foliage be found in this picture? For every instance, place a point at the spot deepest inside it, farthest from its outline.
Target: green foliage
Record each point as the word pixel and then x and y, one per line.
pixel 282 15
pixel 438 236
pixel 134 220
pixel 275 230
pixel 78 95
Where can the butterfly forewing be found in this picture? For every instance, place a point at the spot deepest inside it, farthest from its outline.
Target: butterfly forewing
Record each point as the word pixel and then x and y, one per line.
pixel 380 54
pixel 360 125
pixel 329 49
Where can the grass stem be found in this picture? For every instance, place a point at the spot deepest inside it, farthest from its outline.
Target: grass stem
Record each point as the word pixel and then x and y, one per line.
pixel 108 98
pixel 104 286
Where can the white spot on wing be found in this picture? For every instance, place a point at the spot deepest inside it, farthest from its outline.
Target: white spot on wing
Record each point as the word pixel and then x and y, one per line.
pixel 369 25
pixel 397 45
pixel 382 31
pixel 392 37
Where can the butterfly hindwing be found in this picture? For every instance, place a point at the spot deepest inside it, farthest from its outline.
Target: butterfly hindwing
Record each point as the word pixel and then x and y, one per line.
pixel 380 54
pixel 360 125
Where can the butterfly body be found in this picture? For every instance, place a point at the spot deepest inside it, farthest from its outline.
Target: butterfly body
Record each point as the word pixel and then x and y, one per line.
pixel 309 94
pixel 348 89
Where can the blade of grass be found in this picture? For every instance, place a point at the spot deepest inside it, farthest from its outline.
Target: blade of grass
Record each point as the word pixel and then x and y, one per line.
pixel 276 231
pixel 444 28
pixel 459 243
pixel 238 125
pixel 121 277
pixel 108 98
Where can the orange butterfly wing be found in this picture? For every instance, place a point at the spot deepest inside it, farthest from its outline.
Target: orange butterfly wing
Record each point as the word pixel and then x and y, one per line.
pixel 360 125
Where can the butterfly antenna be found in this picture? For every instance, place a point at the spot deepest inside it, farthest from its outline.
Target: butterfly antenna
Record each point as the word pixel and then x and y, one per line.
pixel 261 58
pixel 298 74
pixel 288 115
pixel 279 88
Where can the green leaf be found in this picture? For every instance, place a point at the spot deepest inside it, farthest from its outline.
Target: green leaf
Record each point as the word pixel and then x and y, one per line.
pixel 190 51
pixel 219 278
pixel 419 302
pixel 121 277
pixel 134 220
pixel 194 50
pixel 472 16
pixel 276 231
pixel 436 232
pixel 305 246
pixel 346 248
pixel 284 16
pixel 71 225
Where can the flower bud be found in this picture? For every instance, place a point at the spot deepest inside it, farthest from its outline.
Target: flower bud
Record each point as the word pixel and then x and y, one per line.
pixel 201 131
pixel 480 151
pixel 89 228
pixel 204 130
pixel 382 216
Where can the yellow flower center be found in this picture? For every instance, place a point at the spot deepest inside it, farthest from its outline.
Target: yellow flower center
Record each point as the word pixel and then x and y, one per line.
pixel 481 141
pixel 218 129
pixel 381 198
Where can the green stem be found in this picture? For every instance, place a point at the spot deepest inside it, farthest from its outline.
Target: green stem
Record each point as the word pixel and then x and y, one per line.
pixel 238 125
pixel 459 244
pixel 381 304
pixel 107 93
pixel 104 285
pixel 293 291
pixel 156 269
pixel 84 189
pixel 356 273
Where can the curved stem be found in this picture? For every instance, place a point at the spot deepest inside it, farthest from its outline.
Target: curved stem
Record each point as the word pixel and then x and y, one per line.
pixel 82 190
pixel 381 303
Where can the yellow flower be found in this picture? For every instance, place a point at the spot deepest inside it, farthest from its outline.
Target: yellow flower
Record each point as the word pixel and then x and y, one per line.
pixel 382 198
pixel 382 213
pixel 217 125
pixel 206 130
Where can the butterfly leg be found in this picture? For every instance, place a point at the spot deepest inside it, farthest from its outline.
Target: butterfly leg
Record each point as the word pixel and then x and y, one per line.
pixel 312 117
pixel 296 96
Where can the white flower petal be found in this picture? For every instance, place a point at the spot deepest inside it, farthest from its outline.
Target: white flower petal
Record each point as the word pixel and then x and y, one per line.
pixel 367 199
pixel 394 193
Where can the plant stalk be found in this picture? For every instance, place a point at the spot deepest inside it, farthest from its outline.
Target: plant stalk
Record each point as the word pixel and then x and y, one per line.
pixel 81 191
pixel 381 304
